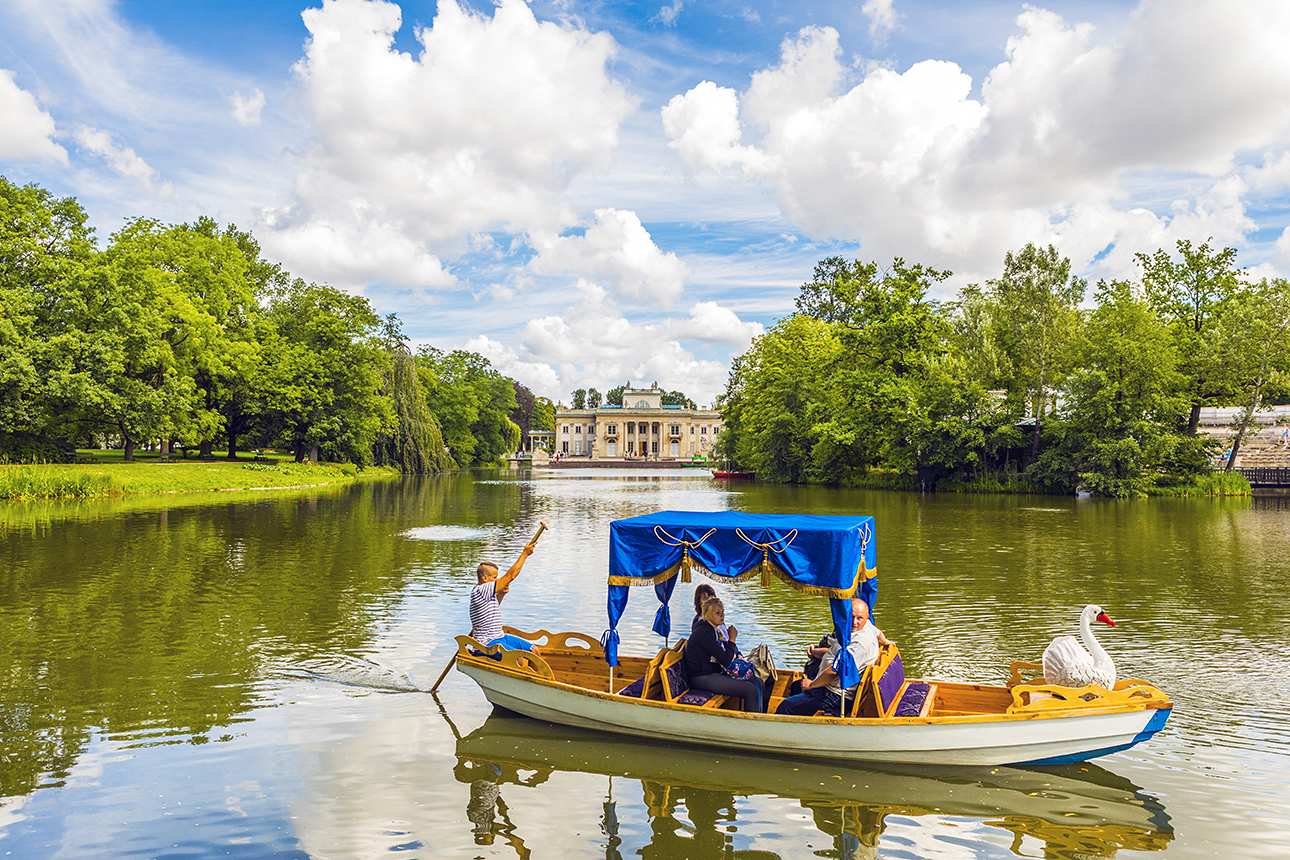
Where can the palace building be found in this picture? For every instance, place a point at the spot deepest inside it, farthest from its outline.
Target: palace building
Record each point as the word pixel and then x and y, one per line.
pixel 642 428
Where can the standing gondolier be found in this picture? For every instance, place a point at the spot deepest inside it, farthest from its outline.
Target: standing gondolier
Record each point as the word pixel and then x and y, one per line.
pixel 486 598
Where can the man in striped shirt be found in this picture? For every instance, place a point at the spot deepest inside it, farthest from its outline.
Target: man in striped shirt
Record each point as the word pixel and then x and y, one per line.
pixel 485 603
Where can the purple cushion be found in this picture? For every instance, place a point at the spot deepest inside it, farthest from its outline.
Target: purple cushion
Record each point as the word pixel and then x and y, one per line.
pixel 633 689
pixel 676 681
pixel 911 704
pixel 889 683
pixel 695 697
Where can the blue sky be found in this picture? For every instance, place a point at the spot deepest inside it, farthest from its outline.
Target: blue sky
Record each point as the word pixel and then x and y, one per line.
pixel 594 192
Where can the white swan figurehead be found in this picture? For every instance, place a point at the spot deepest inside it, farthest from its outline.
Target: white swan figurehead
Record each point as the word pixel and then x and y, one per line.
pixel 1068 664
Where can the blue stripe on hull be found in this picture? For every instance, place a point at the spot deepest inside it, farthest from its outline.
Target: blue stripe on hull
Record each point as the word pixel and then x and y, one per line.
pixel 1155 724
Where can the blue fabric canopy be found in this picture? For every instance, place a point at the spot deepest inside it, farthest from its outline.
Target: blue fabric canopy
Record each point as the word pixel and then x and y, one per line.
pixel 833 557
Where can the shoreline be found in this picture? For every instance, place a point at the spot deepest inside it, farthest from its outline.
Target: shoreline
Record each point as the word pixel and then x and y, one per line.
pixel 115 480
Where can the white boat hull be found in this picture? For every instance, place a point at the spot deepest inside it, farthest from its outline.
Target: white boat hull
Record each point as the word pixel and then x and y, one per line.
pixel 1048 738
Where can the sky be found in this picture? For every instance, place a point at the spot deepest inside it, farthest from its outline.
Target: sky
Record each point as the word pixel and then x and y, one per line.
pixel 598 193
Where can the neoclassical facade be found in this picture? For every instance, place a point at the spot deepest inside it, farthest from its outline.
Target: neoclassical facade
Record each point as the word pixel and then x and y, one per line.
pixel 642 428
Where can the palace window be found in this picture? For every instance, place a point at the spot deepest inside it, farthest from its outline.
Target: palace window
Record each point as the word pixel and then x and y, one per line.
pixel 691 429
pixel 631 426
pixel 566 429
pixel 703 431
pixel 655 429
pixel 611 429
pixel 577 428
pixel 655 446
pixel 676 429
pixel 565 445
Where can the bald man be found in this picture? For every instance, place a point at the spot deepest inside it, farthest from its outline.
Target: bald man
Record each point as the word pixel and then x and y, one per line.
pixel 824 691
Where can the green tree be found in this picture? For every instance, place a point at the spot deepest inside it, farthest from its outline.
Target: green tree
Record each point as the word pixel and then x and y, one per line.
pixel 1037 301
pixel 414 443
pixel 580 399
pixel 1253 344
pixel 48 264
pixel 677 398
pixel 775 398
pixel 321 388
pixel 615 396
pixel 473 403
pixel 1120 416
pixel 593 398
pixel 1192 294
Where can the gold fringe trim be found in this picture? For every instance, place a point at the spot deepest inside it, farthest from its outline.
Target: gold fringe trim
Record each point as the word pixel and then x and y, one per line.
pixel 761 570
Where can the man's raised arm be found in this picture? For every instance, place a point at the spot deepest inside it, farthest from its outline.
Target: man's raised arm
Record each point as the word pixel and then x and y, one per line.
pixel 504 582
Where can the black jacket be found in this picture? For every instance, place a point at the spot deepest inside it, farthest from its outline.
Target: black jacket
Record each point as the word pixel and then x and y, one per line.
pixel 703 644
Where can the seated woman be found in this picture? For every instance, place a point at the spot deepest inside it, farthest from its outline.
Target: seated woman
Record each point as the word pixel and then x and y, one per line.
pixel 706 655
pixel 703 592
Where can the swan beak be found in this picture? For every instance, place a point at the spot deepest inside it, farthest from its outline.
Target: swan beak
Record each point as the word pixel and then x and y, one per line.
pixel 1105 619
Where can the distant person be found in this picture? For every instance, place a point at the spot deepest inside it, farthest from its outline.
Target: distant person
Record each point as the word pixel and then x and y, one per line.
pixel 485 604
pixel 706 656
pixel 824 691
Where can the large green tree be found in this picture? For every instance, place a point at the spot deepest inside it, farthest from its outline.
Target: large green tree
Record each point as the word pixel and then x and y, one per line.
pixel 323 377
pixel 1037 322
pixel 48 265
pixel 1192 293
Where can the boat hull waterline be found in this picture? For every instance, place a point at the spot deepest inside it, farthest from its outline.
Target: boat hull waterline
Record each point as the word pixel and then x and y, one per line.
pixel 1049 738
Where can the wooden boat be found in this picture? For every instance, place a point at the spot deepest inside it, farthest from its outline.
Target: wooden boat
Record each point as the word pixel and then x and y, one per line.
pixel 1069 808
pixel 734 476
pixel 577 680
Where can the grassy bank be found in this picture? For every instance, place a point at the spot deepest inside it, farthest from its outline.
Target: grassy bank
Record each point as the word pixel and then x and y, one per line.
pixel 883 479
pixel 104 478
pixel 1213 484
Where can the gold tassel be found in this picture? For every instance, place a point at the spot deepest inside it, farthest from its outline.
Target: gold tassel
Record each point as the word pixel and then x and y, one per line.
pixel 765 568
pixel 685 564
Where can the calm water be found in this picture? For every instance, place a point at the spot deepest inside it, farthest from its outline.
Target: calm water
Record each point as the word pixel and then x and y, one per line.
pixel 245 677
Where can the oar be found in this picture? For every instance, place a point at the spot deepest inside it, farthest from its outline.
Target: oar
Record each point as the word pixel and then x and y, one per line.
pixel 453 662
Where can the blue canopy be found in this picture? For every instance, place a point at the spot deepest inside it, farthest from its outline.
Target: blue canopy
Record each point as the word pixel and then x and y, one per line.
pixel 833 557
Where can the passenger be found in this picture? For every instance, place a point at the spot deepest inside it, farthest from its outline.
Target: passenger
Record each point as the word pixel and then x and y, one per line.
pixel 706 656
pixel 824 692
pixel 703 592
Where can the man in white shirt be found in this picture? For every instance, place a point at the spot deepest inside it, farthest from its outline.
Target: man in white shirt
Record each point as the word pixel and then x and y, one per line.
pixel 824 691
pixel 485 603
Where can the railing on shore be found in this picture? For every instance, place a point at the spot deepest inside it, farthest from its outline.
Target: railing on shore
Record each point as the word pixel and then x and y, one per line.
pixel 1266 476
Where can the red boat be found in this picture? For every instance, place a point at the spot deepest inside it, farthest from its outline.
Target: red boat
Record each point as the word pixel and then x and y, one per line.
pixel 735 476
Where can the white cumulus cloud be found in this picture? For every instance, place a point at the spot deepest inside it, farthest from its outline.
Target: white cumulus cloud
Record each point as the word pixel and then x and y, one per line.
pixel 592 345
pixel 882 16
pixel 616 249
pixel 913 163
pixel 246 109
pixel 122 159
pixel 26 130
pixel 481 130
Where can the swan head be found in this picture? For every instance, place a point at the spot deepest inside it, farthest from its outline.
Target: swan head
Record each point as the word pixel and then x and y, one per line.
pixel 1094 613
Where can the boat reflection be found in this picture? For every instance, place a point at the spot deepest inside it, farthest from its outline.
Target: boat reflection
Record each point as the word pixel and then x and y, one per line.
pixel 1079 810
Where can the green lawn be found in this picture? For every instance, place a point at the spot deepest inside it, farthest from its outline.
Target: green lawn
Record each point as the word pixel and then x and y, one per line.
pixel 109 476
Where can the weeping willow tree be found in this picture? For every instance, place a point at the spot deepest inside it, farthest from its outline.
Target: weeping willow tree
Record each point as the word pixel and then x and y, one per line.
pixel 416 444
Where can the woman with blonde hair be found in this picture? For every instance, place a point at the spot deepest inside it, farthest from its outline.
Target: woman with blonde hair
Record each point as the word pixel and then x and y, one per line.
pixel 707 655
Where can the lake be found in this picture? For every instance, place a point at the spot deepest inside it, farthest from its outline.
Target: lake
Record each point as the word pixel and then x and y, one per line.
pixel 244 675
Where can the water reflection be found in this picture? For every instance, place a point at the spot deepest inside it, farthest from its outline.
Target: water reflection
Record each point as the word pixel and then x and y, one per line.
pixel 1072 811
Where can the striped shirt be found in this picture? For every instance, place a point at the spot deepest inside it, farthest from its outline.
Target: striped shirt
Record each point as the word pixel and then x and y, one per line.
pixel 485 613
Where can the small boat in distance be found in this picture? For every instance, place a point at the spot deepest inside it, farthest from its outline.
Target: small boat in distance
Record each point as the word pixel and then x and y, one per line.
pixel 734 476
pixel 577 680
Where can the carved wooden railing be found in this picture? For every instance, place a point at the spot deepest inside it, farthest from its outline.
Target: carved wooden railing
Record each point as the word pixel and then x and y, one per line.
pixel 571 641
pixel 1040 697
pixel 523 662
